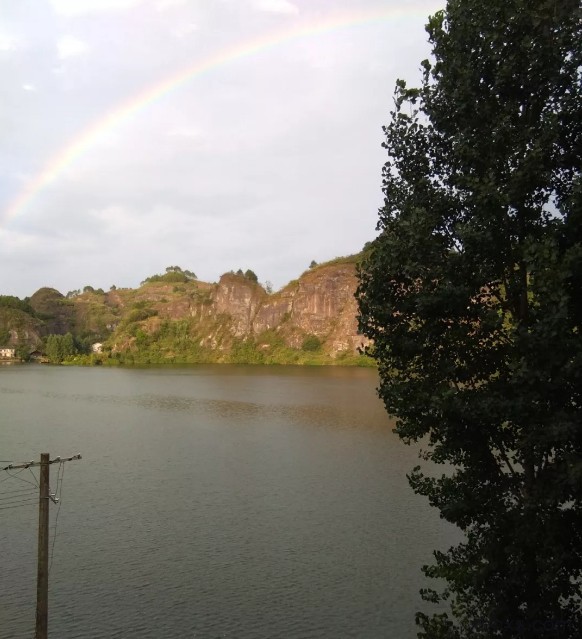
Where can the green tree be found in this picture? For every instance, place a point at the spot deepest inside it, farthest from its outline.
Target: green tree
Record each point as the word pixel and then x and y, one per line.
pixel 141 338
pixel 172 275
pixel 67 346
pixel 23 352
pixel 472 294
pixel 60 347
pixel 53 349
pixel 189 275
pixel 251 275
pixel 10 301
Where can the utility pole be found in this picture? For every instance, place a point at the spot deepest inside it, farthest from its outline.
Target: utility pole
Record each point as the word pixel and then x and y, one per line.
pixel 43 536
pixel 43 546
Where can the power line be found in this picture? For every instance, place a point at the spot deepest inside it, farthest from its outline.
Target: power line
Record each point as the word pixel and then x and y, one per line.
pixel 19 478
pixel 61 471
pixel 18 490
pixel 34 477
pixel 16 493
pixel 16 499
pixel 60 475
pixel 9 498
pixel 26 502
pixel 10 476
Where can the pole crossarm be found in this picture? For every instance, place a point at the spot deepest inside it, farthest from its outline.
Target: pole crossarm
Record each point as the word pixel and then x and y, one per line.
pixel 31 464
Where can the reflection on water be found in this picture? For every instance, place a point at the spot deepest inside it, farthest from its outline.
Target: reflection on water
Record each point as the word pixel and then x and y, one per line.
pixel 215 501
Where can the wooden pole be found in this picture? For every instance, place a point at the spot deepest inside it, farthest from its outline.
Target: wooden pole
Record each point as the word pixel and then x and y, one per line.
pixel 43 546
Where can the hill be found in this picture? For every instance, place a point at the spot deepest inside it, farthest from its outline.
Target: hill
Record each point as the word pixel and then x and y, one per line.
pixel 177 318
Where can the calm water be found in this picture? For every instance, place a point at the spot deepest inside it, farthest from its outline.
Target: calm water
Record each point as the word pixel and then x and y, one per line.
pixel 211 502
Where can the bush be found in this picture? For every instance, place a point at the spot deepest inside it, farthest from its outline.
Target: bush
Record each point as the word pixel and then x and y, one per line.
pixel 140 314
pixel 311 344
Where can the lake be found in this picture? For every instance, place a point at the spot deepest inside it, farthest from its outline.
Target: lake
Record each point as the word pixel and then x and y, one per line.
pixel 212 502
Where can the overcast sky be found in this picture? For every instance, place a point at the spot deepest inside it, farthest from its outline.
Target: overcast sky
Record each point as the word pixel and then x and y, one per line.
pixel 266 160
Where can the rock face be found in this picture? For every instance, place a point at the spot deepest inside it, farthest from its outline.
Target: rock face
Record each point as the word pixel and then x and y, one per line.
pixel 321 303
pixel 318 307
pixel 55 310
pixel 240 298
pixel 18 328
pixel 231 320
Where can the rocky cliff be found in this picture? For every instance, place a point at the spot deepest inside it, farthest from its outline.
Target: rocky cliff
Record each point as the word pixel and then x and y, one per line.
pixel 311 320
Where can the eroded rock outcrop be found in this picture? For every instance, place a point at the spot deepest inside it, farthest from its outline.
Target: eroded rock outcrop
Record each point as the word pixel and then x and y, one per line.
pixel 232 320
pixel 239 298
pixel 321 303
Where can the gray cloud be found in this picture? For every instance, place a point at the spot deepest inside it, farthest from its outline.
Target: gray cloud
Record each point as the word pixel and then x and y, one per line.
pixel 266 161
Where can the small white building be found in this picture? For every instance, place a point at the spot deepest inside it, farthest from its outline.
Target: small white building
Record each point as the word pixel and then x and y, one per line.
pixel 97 347
pixel 8 353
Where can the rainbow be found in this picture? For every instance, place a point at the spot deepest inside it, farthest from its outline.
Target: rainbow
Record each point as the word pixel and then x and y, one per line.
pixel 123 111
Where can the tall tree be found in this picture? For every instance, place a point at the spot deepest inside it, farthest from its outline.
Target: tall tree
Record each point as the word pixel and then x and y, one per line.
pixel 67 345
pixel 54 350
pixel 472 295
